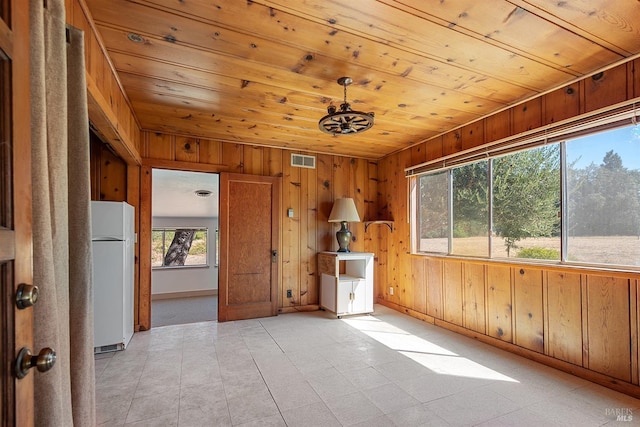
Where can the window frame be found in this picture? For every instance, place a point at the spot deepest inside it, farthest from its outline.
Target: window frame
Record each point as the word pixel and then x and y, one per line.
pixel 166 229
pixel 504 148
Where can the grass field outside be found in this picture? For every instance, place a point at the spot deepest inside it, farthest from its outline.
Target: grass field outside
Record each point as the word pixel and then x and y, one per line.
pixel 617 250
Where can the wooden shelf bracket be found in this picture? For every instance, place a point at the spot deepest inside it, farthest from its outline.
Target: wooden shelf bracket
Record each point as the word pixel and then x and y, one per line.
pixel 387 223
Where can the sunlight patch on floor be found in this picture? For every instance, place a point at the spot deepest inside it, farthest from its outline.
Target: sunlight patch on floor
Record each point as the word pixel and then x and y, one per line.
pixel 432 356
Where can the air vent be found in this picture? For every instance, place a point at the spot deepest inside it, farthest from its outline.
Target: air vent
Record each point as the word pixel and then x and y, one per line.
pixel 302 161
pixel 106 348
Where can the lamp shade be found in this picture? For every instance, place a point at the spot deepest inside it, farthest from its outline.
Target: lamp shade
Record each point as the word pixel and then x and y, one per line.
pixel 344 210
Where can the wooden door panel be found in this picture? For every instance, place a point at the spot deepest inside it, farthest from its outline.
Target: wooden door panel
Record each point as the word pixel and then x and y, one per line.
pixel 249 233
pixel 248 289
pixel 16 326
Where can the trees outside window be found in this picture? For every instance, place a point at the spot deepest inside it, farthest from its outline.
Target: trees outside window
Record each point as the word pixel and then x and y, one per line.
pixel 471 209
pixel 179 247
pixel 433 234
pixel 522 203
pixel 526 201
pixel 603 221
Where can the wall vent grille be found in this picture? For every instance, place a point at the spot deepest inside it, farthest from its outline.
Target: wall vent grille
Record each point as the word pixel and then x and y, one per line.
pixel 302 161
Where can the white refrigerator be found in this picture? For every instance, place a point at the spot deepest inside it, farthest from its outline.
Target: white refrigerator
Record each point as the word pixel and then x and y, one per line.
pixel 113 239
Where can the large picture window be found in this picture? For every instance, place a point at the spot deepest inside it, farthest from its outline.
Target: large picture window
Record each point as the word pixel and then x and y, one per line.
pixel 573 201
pixel 179 247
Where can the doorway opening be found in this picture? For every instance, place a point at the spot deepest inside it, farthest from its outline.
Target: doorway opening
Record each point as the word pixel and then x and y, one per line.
pixel 184 247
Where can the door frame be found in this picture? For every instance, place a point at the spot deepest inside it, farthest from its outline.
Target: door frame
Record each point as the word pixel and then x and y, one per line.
pixel 143 293
pixel 17 395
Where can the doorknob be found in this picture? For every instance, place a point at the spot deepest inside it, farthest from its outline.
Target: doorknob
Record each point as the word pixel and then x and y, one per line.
pixel 26 295
pixel 274 256
pixel 25 361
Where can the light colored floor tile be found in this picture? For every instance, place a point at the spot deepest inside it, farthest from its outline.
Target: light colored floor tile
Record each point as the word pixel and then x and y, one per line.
pixel 115 391
pixel 203 375
pixel 402 369
pixel 331 383
pixel 244 384
pixel 100 365
pixel 273 421
pixel 314 415
pixel 112 411
pixel 353 408
pixel 524 418
pixel 251 407
pixel 158 382
pixel 203 405
pixel 471 407
pixel 381 421
pixel 154 406
pixel 294 395
pixel 554 412
pixel 307 361
pixel 417 415
pixel 593 401
pixel 427 388
pixel 277 369
pixel 390 398
pixel 170 420
pixel 231 368
pixel 522 393
pixel 114 376
pixel 366 378
pixel 311 369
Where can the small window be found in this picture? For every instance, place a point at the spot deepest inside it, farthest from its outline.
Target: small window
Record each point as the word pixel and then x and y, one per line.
pixel 179 247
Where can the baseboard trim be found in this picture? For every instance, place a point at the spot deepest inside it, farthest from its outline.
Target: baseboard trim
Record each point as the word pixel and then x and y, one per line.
pixel 298 308
pixel 186 294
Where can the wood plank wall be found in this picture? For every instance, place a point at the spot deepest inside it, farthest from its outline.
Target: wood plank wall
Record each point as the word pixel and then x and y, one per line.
pixel 115 171
pixel 583 321
pixel 110 114
pixel 309 192
pixel 108 173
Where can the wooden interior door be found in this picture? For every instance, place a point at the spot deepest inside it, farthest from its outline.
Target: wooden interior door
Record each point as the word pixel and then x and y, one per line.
pixel 249 246
pixel 16 403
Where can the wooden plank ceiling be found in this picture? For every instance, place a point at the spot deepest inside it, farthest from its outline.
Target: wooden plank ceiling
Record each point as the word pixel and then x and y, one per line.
pixel 264 72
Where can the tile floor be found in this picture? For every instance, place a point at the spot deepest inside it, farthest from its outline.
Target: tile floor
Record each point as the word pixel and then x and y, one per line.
pixel 311 369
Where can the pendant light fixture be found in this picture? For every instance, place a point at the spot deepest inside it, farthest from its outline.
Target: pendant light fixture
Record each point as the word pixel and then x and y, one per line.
pixel 345 121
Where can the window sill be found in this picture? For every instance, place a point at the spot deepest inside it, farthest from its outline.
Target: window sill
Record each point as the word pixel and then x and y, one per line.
pixel 536 263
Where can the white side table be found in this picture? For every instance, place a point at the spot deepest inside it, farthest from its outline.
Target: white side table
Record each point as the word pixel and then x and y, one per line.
pixel 346 282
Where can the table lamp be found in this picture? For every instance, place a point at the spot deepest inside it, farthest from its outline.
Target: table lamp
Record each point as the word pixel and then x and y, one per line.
pixel 343 211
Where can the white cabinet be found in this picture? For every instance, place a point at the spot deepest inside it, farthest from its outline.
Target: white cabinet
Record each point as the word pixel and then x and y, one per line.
pixel 346 282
